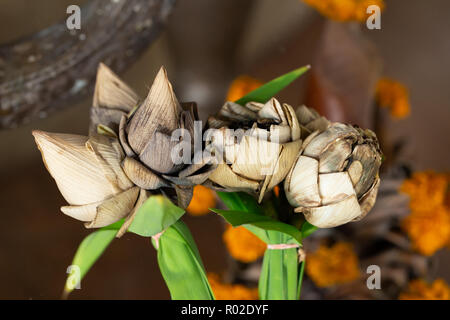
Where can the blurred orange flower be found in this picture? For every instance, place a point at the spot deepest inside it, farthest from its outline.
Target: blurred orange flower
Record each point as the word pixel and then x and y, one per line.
pixel 393 95
pixel 241 86
pixel 426 189
pixel 202 199
pixel 223 291
pixel 419 290
pixel 344 10
pixel 428 224
pixel 333 265
pixel 243 245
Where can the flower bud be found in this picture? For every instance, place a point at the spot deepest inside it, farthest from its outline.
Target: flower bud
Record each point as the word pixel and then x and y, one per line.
pixel 89 175
pixel 334 179
pixel 259 159
pixel 145 133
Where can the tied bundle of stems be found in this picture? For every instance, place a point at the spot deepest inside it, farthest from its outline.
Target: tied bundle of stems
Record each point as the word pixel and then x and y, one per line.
pixel 122 178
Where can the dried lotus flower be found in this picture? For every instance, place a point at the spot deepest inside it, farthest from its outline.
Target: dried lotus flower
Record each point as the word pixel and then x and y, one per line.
pixel 334 179
pixel 259 159
pixel 145 134
pixel 89 175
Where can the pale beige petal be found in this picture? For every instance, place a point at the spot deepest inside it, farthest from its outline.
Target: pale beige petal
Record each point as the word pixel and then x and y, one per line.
pixel 85 213
pixel 142 176
pixel 143 196
pixel 256 158
pixel 226 178
pixel 334 214
pixel 302 188
pixel 284 163
pixel 111 92
pixel 75 169
pixel 292 121
pixel 115 208
pixel 110 155
pixel 273 110
pixel 334 187
pixel 279 133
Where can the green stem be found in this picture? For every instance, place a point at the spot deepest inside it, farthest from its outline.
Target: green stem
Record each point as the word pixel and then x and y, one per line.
pixel 300 279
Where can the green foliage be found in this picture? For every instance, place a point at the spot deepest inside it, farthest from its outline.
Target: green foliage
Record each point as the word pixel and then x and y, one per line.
pixel 155 215
pixel 271 88
pixel 181 266
pixel 90 250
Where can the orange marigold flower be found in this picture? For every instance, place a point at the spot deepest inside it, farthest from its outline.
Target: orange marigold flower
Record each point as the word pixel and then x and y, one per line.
pixel 426 189
pixel 333 265
pixel 241 86
pixel 419 290
pixel 394 96
pixel 202 199
pixel 223 291
pixel 428 230
pixel 344 10
pixel 243 245
pixel 428 224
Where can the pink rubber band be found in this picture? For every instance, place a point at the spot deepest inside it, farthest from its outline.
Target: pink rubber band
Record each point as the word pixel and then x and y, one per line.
pixel 156 238
pixel 282 246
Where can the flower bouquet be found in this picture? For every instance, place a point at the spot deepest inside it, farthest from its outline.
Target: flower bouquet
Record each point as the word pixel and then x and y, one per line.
pixel 282 172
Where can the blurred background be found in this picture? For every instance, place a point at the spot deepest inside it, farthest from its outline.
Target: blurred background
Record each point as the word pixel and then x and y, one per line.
pixel 205 45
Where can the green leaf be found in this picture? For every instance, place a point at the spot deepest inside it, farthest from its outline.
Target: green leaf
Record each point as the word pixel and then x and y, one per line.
pixel 89 251
pixel 181 266
pixel 307 229
pixel 271 88
pixel 156 214
pixel 238 218
pixel 240 201
pixel 279 273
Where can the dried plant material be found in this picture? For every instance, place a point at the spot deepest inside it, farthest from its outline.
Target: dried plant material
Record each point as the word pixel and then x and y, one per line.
pixel 88 173
pixel 112 99
pixel 145 132
pixel 260 158
pixel 335 177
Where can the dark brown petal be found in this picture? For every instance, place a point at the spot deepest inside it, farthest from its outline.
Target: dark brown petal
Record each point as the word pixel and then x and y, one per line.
pixel 157 154
pixel 160 111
